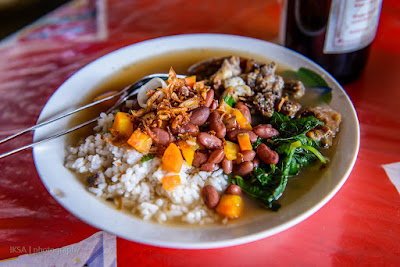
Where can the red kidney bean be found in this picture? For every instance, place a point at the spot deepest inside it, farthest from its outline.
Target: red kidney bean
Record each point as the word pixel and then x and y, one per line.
pixel 233 190
pixel 239 158
pixel 232 135
pixel 190 128
pixel 214 105
pixel 244 110
pixel 227 166
pixel 162 136
pixel 187 128
pixel 244 168
pixel 267 155
pixel 256 162
pixel 265 131
pixel 217 125
pixel 247 155
pixel 231 123
pixel 200 157
pixel 209 141
pixel 209 98
pixel 207 167
pixel 217 156
pixel 210 196
pixel 200 115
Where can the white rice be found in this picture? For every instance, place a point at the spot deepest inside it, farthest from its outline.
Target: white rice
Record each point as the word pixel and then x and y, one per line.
pixel 121 176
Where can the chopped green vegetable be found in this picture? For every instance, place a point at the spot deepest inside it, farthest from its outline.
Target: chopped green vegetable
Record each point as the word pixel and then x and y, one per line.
pixel 295 150
pixel 263 176
pixel 290 128
pixel 263 194
pixel 315 152
pixel 147 157
pixel 228 99
pixel 255 144
pixel 311 78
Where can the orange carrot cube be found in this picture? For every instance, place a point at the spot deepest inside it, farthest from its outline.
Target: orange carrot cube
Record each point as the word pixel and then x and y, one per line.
pixel 230 206
pixel 140 141
pixel 187 151
pixel 122 126
pixel 231 150
pixel 172 159
pixel 244 141
pixel 241 120
pixel 170 182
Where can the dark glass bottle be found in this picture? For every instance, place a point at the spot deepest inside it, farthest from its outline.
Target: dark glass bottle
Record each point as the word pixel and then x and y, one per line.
pixel 305 27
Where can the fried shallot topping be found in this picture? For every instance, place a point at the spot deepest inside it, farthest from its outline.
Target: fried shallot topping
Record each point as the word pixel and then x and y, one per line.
pixel 170 108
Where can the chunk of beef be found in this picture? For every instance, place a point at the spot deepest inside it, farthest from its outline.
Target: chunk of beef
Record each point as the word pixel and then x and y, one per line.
pixel 251 78
pixel 206 68
pixel 295 88
pixel 331 118
pixel 251 65
pixel 288 107
pixel 268 69
pixel 229 68
pixel 265 103
pixel 265 80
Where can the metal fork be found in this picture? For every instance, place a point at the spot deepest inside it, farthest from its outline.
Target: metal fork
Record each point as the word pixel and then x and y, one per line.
pixel 123 95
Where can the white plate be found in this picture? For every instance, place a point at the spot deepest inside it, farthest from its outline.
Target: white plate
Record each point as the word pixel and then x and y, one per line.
pixel 71 194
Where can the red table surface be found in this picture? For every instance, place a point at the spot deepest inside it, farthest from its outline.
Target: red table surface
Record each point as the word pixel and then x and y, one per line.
pixel 359 226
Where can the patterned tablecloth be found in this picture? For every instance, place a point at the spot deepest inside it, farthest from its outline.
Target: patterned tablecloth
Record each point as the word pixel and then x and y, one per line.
pixel 359 226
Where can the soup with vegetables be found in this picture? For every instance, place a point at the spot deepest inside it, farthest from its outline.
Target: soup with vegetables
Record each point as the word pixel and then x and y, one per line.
pixel 198 149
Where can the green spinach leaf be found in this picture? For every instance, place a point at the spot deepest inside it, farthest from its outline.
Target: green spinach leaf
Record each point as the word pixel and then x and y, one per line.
pixel 289 128
pixel 296 151
pixel 311 78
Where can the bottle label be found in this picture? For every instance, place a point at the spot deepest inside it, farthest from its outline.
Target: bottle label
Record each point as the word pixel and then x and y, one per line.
pixel 352 25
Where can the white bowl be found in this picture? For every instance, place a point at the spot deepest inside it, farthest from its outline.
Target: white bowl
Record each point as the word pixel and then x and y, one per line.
pixel 71 194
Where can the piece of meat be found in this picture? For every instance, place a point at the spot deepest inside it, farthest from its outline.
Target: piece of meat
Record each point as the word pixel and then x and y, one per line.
pixel 251 65
pixel 268 69
pixel 251 78
pixel 288 107
pixel 229 68
pixel 294 88
pixel 237 88
pixel 265 103
pixel 323 134
pixel 206 68
pixel 265 80
pixel 277 85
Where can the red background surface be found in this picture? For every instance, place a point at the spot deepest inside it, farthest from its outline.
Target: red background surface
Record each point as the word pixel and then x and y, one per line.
pixel 359 226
